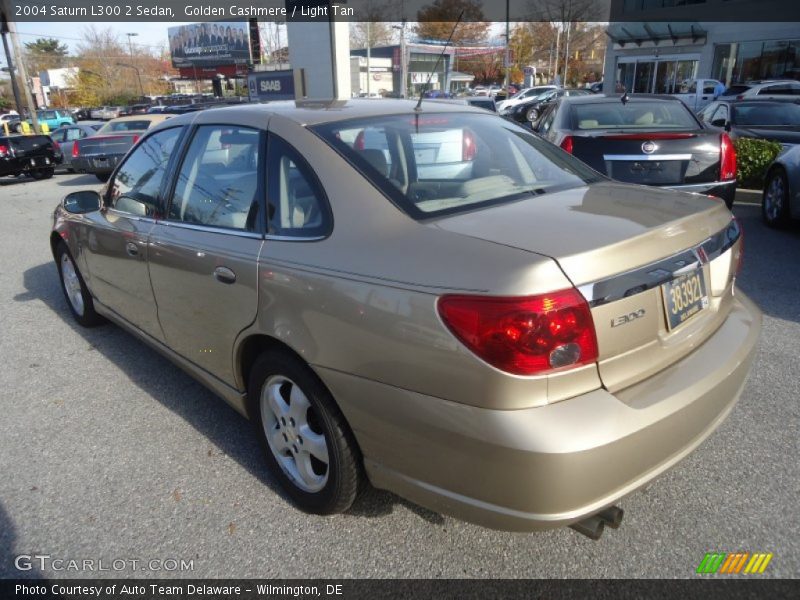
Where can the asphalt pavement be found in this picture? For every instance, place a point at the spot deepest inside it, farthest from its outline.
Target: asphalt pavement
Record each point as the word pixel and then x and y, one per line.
pixel 108 451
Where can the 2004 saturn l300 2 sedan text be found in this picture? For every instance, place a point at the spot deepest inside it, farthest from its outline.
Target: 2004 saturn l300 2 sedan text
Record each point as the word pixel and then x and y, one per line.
pixel 431 298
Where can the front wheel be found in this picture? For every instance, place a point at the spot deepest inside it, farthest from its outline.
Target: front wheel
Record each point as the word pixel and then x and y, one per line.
pixel 305 439
pixel 775 200
pixel 75 291
pixel 532 115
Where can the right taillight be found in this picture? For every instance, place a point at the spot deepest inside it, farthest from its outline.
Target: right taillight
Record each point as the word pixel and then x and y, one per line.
pixel 75 150
pixel 4 151
pixel 727 162
pixel 528 335
pixel 567 145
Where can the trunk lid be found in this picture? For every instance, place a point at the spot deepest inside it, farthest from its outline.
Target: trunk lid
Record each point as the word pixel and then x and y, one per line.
pixel 106 144
pixel 655 158
pixel 31 145
pixel 622 246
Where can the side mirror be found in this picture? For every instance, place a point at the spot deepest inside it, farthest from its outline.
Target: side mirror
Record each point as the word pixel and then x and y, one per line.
pixel 79 203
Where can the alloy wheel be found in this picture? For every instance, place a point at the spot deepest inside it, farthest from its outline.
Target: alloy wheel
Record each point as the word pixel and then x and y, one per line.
pixel 773 200
pixel 72 284
pixel 293 433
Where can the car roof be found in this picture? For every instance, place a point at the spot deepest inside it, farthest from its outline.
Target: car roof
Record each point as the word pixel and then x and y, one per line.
pixel 609 99
pixel 155 118
pixel 314 112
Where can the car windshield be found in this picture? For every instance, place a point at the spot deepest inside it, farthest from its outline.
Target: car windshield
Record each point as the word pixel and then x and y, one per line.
pixel 650 115
pixel 766 114
pixel 119 126
pixel 442 163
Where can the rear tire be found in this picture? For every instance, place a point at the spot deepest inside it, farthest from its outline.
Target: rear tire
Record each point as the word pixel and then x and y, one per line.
pixel 75 291
pixel 103 176
pixel 775 208
pixel 42 173
pixel 304 437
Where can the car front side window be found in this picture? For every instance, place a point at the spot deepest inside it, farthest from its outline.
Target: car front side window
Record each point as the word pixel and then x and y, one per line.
pixel 218 181
pixel 136 184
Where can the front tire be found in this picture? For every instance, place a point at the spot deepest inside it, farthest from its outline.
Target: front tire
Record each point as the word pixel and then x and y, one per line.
pixel 775 200
pixel 75 291
pixel 532 114
pixel 304 437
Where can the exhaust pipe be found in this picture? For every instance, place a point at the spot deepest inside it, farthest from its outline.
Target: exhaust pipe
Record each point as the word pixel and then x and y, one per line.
pixel 593 527
pixel 612 516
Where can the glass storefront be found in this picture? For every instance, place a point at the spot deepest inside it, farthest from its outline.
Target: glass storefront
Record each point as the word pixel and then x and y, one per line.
pixel 738 63
pixel 649 75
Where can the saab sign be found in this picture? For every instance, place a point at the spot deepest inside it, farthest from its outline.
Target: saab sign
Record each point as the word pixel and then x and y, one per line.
pixel 271 85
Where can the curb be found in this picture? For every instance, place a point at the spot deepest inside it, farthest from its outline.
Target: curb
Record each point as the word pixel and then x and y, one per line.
pixel 743 195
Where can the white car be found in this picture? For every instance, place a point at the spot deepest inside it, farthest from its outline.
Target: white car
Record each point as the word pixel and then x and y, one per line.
pixel 766 88
pixel 504 107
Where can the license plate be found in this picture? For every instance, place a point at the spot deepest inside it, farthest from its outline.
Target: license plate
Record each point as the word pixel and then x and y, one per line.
pixel 684 297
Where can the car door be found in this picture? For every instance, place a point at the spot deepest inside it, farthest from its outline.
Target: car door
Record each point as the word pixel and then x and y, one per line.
pixel 116 241
pixel 204 256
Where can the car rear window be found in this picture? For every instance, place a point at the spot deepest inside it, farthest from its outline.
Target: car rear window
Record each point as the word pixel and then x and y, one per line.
pixel 433 164
pixel 767 114
pixel 119 126
pixel 650 115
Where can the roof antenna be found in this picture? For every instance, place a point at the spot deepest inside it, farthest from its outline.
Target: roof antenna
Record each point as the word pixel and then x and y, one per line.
pixel 436 66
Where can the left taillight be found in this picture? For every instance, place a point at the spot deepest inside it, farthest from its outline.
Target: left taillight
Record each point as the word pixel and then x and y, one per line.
pixel 567 144
pixel 529 335
pixel 76 151
pixel 56 146
pixel 727 158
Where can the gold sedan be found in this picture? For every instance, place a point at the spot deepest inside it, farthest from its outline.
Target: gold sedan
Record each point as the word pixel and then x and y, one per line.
pixel 434 300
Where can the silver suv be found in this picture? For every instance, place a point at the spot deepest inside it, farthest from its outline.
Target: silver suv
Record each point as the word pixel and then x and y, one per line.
pixel 766 88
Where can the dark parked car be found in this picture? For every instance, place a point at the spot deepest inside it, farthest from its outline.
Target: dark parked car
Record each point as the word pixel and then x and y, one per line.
pixel 529 111
pixel 99 154
pixel 34 155
pixel 780 203
pixel 650 140
pixel 777 120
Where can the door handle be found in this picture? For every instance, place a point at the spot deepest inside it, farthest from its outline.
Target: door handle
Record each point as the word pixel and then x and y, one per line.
pixel 224 275
pixel 132 249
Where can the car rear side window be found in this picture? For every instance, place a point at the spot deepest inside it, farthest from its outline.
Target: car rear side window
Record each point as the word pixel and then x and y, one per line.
pixel 218 181
pixel 137 182
pixel 296 204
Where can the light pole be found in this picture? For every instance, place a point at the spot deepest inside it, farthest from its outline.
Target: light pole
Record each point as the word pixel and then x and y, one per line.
pixel 130 42
pixel 138 75
pixel 403 64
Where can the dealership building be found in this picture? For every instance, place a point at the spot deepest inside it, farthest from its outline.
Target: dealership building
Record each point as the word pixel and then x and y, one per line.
pixel 650 54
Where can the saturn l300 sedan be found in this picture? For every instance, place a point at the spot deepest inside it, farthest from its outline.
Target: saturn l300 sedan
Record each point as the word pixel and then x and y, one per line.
pixel 492 330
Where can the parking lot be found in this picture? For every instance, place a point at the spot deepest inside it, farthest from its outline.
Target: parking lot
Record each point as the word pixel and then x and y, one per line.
pixel 109 452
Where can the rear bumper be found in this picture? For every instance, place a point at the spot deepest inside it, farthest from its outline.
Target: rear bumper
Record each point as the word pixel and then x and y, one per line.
pixel 549 466
pixel 96 164
pixel 17 165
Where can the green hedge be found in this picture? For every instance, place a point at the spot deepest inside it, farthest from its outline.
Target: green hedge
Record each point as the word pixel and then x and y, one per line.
pixel 752 159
